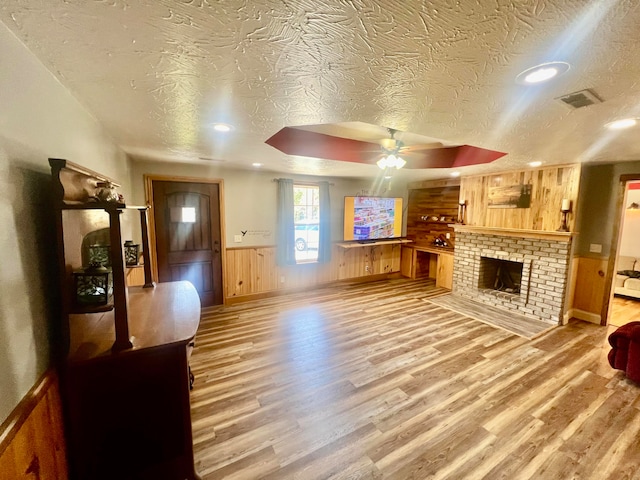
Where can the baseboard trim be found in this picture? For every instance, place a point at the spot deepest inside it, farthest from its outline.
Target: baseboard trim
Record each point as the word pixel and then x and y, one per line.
pixel 586 316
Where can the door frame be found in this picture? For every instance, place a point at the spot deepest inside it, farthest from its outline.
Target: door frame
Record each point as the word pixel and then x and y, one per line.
pixel 148 191
pixel 616 238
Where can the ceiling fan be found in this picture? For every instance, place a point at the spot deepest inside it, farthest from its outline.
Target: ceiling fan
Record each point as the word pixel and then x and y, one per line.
pixel 394 149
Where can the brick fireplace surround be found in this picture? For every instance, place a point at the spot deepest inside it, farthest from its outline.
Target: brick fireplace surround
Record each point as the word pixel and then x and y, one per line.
pixel 545 269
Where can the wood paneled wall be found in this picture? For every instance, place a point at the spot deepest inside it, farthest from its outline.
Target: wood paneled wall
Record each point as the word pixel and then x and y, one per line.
pixel 31 440
pixel 253 270
pixel 589 290
pixel 549 186
pixel 428 201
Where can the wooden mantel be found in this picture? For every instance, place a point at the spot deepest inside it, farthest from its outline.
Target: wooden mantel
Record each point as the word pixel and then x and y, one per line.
pixel 516 232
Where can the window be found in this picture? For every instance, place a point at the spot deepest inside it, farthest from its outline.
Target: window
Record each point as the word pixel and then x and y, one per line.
pixel 306 218
pixel 183 214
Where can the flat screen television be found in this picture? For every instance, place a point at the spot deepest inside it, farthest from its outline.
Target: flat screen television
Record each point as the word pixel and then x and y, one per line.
pixel 372 218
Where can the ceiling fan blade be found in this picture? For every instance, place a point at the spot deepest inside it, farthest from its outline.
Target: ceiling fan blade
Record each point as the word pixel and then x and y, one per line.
pixel 419 148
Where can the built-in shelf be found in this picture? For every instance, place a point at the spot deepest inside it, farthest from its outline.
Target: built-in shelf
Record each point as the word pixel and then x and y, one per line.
pixel 448 224
pixel 516 232
pixel 431 249
pixel 356 244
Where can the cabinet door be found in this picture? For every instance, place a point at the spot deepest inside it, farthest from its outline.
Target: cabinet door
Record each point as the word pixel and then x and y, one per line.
pixel 407 262
pixel 129 416
pixel 445 271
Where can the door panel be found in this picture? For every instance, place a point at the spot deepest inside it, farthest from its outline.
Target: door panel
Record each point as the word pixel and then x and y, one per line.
pixel 188 237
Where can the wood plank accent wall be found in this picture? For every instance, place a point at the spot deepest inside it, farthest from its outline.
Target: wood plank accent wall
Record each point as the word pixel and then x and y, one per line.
pixel 549 186
pixel 253 270
pixel 432 201
pixel 31 439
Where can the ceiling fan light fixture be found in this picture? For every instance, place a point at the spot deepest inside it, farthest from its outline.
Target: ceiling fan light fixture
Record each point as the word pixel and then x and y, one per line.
pixel 391 161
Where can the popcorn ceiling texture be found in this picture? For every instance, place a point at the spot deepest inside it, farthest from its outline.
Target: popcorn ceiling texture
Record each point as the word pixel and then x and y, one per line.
pixel 157 73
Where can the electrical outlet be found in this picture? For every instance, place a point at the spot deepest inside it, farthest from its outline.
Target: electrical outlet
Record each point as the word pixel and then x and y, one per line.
pixel 366 268
pixel 447 235
pixel 237 238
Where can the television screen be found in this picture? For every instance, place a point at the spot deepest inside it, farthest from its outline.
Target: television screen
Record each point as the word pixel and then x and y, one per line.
pixel 372 218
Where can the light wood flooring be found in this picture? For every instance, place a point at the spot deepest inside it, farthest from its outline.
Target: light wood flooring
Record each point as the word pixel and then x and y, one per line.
pixel 370 381
pixel 624 310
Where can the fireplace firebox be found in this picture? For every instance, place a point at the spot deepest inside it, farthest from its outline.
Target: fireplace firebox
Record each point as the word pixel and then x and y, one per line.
pixel 500 275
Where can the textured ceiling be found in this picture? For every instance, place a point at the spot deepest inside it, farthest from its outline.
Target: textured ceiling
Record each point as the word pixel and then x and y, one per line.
pixel 158 73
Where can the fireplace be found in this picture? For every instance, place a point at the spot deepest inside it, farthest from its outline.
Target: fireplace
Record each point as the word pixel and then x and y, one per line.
pixel 500 275
pixel 525 273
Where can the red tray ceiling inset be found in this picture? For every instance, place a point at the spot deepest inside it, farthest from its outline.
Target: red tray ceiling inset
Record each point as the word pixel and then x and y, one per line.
pixel 294 141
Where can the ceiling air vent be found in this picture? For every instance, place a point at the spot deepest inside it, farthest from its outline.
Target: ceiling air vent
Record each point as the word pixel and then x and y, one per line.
pixel 582 98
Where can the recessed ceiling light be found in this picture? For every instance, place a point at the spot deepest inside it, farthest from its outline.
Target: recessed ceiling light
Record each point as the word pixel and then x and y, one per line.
pixel 222 127
pixel 621 124
pixel 387 177
pixel 256 164
pixel 542 73
pixel 535 164
pixel 455 174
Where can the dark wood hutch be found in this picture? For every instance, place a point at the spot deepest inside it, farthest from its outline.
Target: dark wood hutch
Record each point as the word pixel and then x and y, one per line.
pixel 124 370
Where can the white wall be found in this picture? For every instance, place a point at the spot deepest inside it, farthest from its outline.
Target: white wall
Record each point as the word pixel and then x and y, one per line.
pixel 629 240
pixel 38 119
pixel 250 197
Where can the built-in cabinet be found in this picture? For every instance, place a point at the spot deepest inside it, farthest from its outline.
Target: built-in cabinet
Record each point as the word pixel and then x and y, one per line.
pixel 125 375
pixel 432 212
pixel 428 262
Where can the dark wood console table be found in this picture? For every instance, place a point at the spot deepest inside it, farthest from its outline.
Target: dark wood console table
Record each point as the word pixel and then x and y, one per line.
pixel 129 412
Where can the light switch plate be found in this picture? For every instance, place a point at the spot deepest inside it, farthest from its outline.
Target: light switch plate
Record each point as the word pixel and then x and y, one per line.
pixel 237 238
pixel 595 248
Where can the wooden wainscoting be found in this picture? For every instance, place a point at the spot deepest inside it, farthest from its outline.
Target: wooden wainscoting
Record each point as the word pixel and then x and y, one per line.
pixel 252 271
pixel 589 289
pixel 32 439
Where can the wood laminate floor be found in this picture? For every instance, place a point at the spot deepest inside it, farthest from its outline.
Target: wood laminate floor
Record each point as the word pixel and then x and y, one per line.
pixel 624 310
pixel 371 381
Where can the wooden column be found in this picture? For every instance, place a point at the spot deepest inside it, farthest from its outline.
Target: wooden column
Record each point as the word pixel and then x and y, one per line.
pixel 120 300
pixel 146 248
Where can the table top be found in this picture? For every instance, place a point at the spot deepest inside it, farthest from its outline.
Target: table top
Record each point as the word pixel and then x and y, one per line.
pixel 167 314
